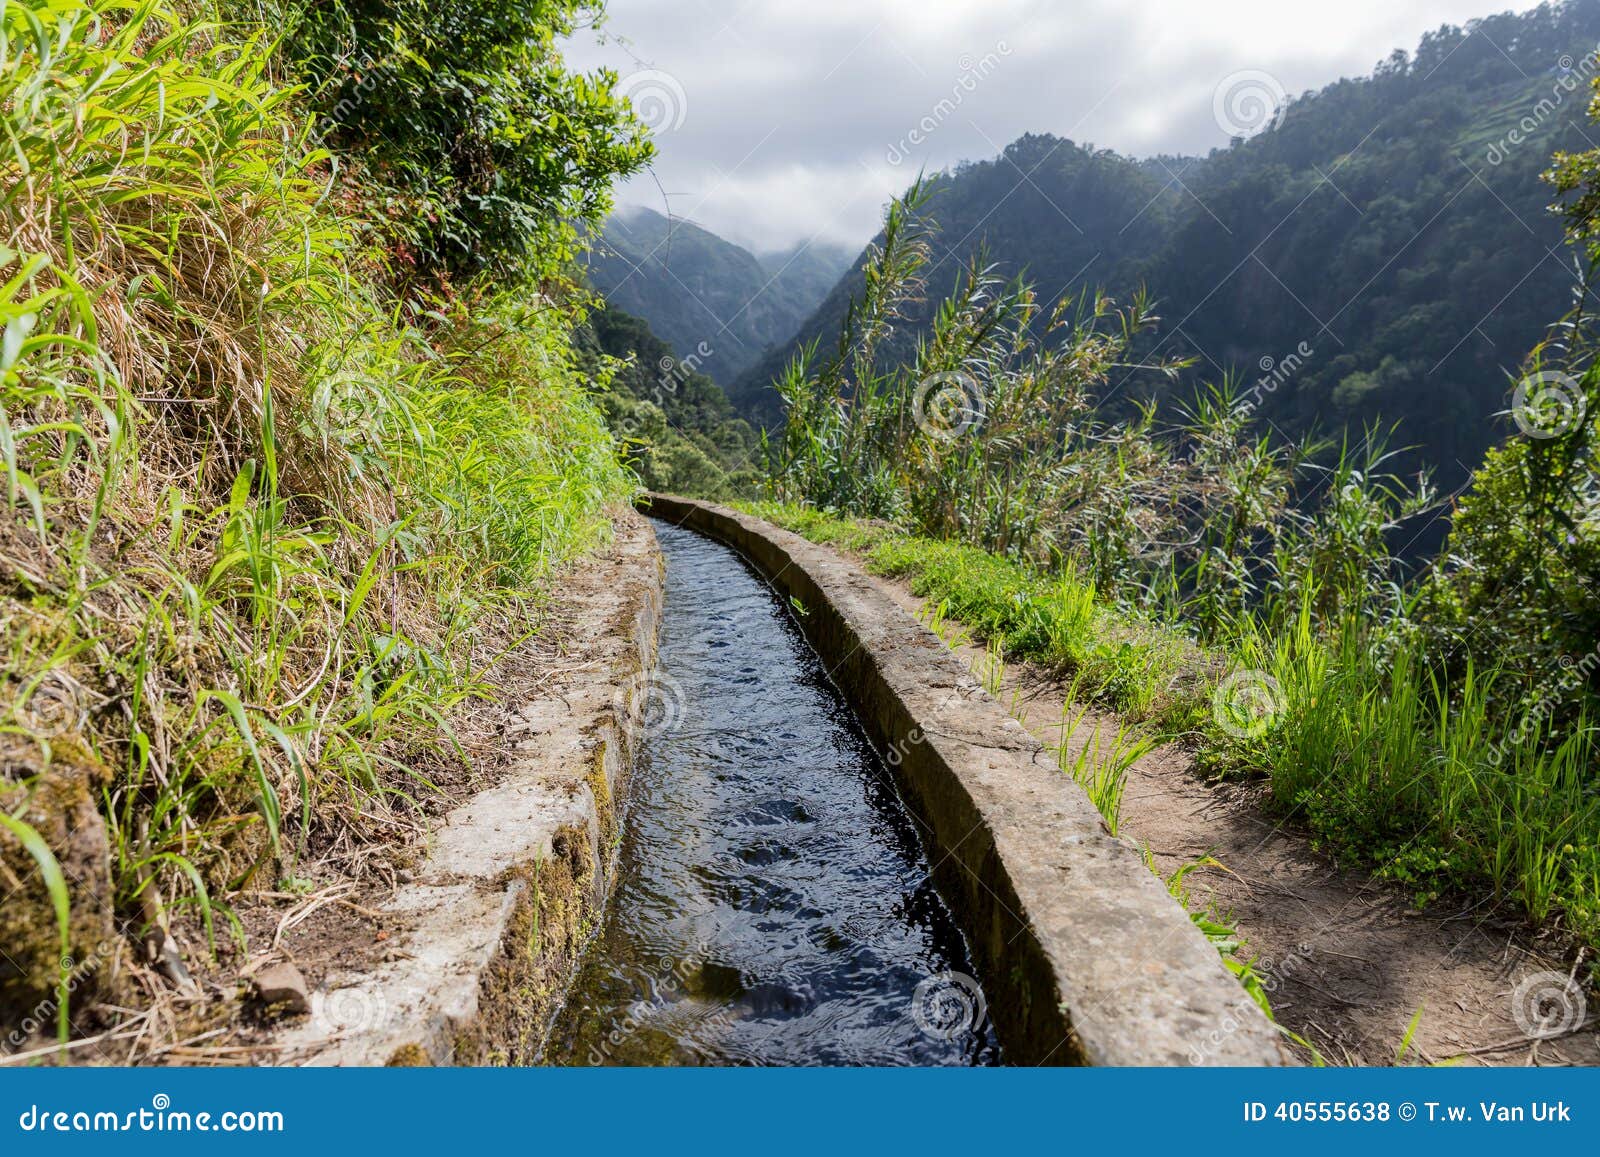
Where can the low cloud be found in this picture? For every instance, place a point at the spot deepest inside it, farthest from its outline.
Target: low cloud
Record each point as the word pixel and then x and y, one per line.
pixel 792 116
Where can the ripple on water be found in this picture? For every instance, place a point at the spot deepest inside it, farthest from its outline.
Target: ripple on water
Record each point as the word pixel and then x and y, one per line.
pixel 773 904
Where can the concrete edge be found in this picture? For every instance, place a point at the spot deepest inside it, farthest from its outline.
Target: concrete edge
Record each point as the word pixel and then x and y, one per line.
pixel 517 876
pixel 1049 900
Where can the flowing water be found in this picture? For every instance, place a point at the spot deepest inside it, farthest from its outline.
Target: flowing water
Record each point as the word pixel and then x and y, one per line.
pixel 773 904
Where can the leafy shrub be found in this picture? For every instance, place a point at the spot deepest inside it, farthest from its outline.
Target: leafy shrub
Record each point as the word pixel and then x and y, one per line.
pixel 477 147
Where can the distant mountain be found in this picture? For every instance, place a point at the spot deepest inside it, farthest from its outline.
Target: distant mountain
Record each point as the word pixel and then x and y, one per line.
pixel 1384 252
pixel 701 293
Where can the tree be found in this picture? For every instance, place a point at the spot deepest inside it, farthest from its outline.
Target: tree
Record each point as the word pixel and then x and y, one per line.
pixel 486 149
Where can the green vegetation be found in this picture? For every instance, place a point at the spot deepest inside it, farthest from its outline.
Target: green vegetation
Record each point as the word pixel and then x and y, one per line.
pixel 1377 756
pixel 1395 208
pixel 472 143
pixel 270 522
pixel 1226 588
pixel 676 426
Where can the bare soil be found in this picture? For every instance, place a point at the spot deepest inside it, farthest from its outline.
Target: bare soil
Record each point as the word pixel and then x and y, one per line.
pixel 1348 959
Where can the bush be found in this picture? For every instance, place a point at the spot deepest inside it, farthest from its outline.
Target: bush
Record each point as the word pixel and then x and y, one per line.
pixel 476 147
pixel 261 529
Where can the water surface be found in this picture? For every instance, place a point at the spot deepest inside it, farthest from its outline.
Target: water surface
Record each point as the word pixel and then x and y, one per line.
pixel 773 904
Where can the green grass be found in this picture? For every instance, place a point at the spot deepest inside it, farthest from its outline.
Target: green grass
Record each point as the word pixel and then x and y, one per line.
pixel 1386 765
pixel 282 523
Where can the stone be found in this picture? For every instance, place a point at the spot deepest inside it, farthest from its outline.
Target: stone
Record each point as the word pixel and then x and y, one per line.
pixel 282 989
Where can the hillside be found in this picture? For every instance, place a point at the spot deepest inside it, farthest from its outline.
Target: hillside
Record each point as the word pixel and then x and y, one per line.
pixel 706 297
pixel 1384 253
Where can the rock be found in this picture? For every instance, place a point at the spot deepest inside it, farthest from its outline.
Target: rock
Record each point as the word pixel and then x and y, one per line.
pixel 282 989
pixel 57 799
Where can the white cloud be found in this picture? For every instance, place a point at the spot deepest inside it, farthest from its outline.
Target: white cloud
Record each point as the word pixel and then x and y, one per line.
pixel 791 112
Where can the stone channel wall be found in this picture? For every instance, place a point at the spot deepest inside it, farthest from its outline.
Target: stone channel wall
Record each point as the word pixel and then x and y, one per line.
pixel 1084 957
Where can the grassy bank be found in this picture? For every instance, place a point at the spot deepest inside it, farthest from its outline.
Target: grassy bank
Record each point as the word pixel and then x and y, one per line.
pixel 1385 765
pixel 269 520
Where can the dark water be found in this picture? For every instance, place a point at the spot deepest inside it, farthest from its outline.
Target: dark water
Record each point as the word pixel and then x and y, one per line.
pixel 773 905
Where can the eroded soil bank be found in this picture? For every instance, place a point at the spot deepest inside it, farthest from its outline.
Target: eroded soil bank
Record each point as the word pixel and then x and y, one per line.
pixel 452 940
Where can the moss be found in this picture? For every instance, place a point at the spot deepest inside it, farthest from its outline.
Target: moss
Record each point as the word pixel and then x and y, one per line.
pixel 408 1056
pixel 56 796
pixel 519 993
pixel 604 807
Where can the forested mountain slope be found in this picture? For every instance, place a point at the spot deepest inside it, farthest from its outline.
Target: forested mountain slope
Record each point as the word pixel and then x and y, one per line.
pixel 1384 253
pixel 707 297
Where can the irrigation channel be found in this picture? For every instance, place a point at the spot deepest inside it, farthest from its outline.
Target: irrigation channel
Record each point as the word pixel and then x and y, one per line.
pixel 773 903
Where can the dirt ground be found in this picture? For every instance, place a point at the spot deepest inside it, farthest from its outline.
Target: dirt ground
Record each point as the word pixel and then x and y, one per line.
pixel 1348 959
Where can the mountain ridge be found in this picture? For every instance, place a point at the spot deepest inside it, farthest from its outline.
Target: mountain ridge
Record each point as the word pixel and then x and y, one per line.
pixel 705 296
pixel 1395 224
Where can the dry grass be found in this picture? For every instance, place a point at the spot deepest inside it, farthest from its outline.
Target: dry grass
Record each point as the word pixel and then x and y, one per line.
pixel 267 530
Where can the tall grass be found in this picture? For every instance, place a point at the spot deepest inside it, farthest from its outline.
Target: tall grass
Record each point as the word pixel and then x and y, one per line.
pixel 265 525
pixel 1233 588
pixel 1389 764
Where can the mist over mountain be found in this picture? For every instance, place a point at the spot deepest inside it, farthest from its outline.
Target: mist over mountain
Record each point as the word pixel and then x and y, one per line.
pixel 1384 253
pixel 709 299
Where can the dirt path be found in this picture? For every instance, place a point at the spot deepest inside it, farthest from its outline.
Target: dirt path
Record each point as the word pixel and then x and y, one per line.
pixel 1348 959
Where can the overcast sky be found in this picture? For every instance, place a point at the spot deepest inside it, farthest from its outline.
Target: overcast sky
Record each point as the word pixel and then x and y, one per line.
pixel 781 120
